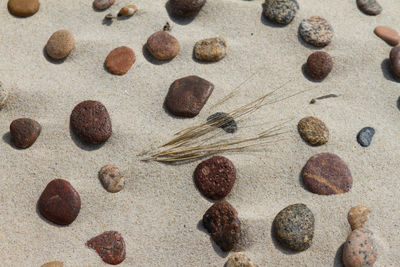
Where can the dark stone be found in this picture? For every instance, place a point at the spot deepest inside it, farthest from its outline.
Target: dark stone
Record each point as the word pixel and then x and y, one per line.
pixel 24 132
pixel 110 246
pixel 228 123
pixel 319 65
pixel 369 7
pixel 364 137
pixel 281 11
pixel 186 8
pixel 395 60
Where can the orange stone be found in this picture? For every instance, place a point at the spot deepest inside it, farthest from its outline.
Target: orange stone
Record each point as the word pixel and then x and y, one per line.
pixel 389 35
pixel 120 60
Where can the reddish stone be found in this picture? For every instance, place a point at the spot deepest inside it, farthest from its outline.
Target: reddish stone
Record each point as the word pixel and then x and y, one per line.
pixel 24 132
pixel 120 60
pixel 110 246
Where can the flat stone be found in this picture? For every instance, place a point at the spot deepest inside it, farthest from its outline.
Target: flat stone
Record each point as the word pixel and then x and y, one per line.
pixel 111 178
pixel 222 222
pixel 60 44
pixel 364 137
pixel 120 60
pixel 53 264
pixel 211 49
pixel 395 60
pixel 103 4
pixel 24 132
pixel 327 174
pixel 360 249
pixel 239 260
pixel 91 122
pixel 369 7
pixel 23 8
pixel 3 96
pixel 389 35
pixel 110 246
pixel 316 31
pixel 226 122
pixel 186 8
pixel 59 203
pixel 187 96
pixel 357 217
pixel 319 65
pixel 293 227
pixel 313 131
pixel 162 45
pixel 281 11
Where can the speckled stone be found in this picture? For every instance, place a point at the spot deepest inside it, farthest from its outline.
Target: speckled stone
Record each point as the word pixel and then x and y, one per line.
pixel 389 35
pixel 316 31
pixel 110 246
pixel 360 249
pixel 281 11
pixel 60 44
pixel 313 131
pixel 162 45
pixel 357 216
pixel 395 60
pixel 186 8
pixel 3 96
pixel 228 123
pixel 111 178
pixel 211 49
pixel 120 60
pixel 239 260
pixel 319 65
pixel 369 7
pixel 364 137
pixel 24 132
pixel 103 4
pixel 23 8
pixel 293 227
pixel 53 264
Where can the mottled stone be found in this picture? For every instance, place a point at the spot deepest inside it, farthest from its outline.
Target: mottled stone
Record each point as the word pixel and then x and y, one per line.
pixel 239 260
pixel 120 60
pixel 60 44
pixel 53 264
pixel 3 96
pixel 211 49
pixel 389 35
pixel 395 60
pixel 364 137
pixel 360 249
pixel 357 216
pixel 224 121
pixel 186 8
pixel 293 227
pixel 103 4
pixel 316 31
pixel 319 65
pixel 313 131
pixel 281 11
pixel 369 7
pixel 24 132
pixel 111 178
pixel 23 8
pixel 162 45
pixel 110 246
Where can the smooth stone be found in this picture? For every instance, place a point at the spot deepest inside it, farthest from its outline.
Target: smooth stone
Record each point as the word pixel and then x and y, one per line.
pixel 239 260
pixel 23 8
pixel 357 216
pixel 360 249
pixel 162 45
pixel 111 178
pixel 369 7
pixel 281 11
pixel 187 96
pixel 128 11
pixel 120 60
pixel 90 122
pixel 225 122
pixel 319 65
pixel 103 4
pixel 327 174
pixel 211 49
pixel 59 203
pixel 364 137
pixel 3 96
pixel 293 227
pixel 395 60
pixel 313 131
pixel 60 44
pixel 53 264
pixel 24 132
pixel 387 34
pixel 110 246
pixel 316 31
pixel 186 8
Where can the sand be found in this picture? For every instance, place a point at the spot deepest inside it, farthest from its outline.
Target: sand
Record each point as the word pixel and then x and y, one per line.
pixel 159 211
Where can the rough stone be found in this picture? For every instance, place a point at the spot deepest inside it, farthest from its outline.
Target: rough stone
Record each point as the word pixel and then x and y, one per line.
pixel 313 131
pixel 60 44
pixel 281 11
pixel 186 8
pixel 360 249
pixel 239 260
pixel 110 246
pixel 111 178
pixel 211 49
pixel 162 45
pixel 24 132
pixel 316 31
pixel 357 216
pixel 319 65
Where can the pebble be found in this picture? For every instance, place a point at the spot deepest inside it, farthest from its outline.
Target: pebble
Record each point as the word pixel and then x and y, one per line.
pixel 162 45
pixel 327 174
pixel 319 65
pixel 128 11
pixel 228 123
pixel 91 122
pixel 211 49
pixel 357 216
pixel 186 8
pixel 53 264
pixel 111 178
pixel 60 202
pixel 294 227
pixel 369 7
pixel 316 31
pixel 215 177
pixel 60 44
pixel 222 222
pixel 23 8
pixel 187 96
pixel 103 4
pixel 389 35
pixel 24 132
pixel 395 60
pixel 360 249
pixel 3 95
pixel 120 60
pixel 281 11
pixel 239 260
pixel 364 137
pixel 110 246
pixel 313 131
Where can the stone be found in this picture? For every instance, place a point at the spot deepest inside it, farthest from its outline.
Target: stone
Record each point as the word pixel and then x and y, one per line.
pixel 369 7
pixel 90 122
pixel 53 264
pixel 357 216
pixel 228 124
pixel 110 246
pixel 23 8
pixel 59 203
pixel 389 35
pixel 3 96
pixel 111 178
pixel 103 4
pixel 120 60
pixel 239 260
pixel 128 11
pixel 327 174
pixel 360 249
pixel 60 44
pixel 281 11
pixel 162 45
pixel 395 60
pixel 187 96
pixel 316 31
pixel 24 132
pixel 211 49
pixel 186 8
pixel 293 227
pixel 319 65
pixel 364 137
pixel 222 222
pixel 215 177
pixel 313 131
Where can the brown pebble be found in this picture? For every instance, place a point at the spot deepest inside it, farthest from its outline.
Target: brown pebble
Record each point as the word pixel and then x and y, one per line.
pixel 313 131
pixel 357 216
pixel 389 35
pixel 23 8
pixel 128 11
pixel 120 60
pixel 103 4
pixel 162 45
pixel 360 249
pixel 24 132
pixel 319 65
pixel 211 49
pixel 186 8
pixel 111 178
pixel 53 264
pixel 60 44
pixel 110 246
pixel 395 60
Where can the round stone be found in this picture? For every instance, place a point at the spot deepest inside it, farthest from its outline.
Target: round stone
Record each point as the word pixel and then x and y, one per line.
pixel 103 4
pixel 60 44
pixel 162 45
pixel 395 61
pixel 24 132
pixel 364 137
pixel 360 249
pixel 60 202
pixel 389 35
pixel 224 121
pixel 327 174
pixel 120 60
pixel 357 216
pixel 281 11
pixel 319 65
pixel 110 246
pixel 186 8
pixel 313 131
pixel 316 31
pixel 111 178
pixel 211 49
pixel 3 95
pixel 91 122
pixel 239 260
pixel 215 177
pixel 23 8
pixel 53 264
pixel 293 227
pixel 369 7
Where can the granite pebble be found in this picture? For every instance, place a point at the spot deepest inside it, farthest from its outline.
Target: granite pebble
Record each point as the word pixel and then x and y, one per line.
pixel 369 7
pixel 319 65
pixel 23 8
pixel 313 131
pixel 365 135
pixel 395 61
pixel 239 260
pixel 357 216
pixel 316 31
pixel 110 246
pixel 281 11
pixel 228 123
pixel 360 249
pixel 211 49
pixel 103 4
pixel 111 178
pixel 162 45
pixel 186 8
pixel 60 44
pixel 24 132
pixel 389 35
pixel 120 60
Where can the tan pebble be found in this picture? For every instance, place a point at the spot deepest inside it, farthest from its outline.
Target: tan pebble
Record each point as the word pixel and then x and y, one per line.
pixel 313 131
pixel 162 45
pixel 357 216
pixel 53 264
pixel 128 10
pixel 3 95
pixel 389 35
pixel 111 178
pixel 360 249
pixel 60 44
pixel 239 260
pixel 211 49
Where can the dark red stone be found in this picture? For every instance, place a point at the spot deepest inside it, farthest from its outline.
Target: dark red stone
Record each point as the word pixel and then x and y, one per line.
pixel 319 65
pixel 24 132
pixel 186 8
pixel 110 246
